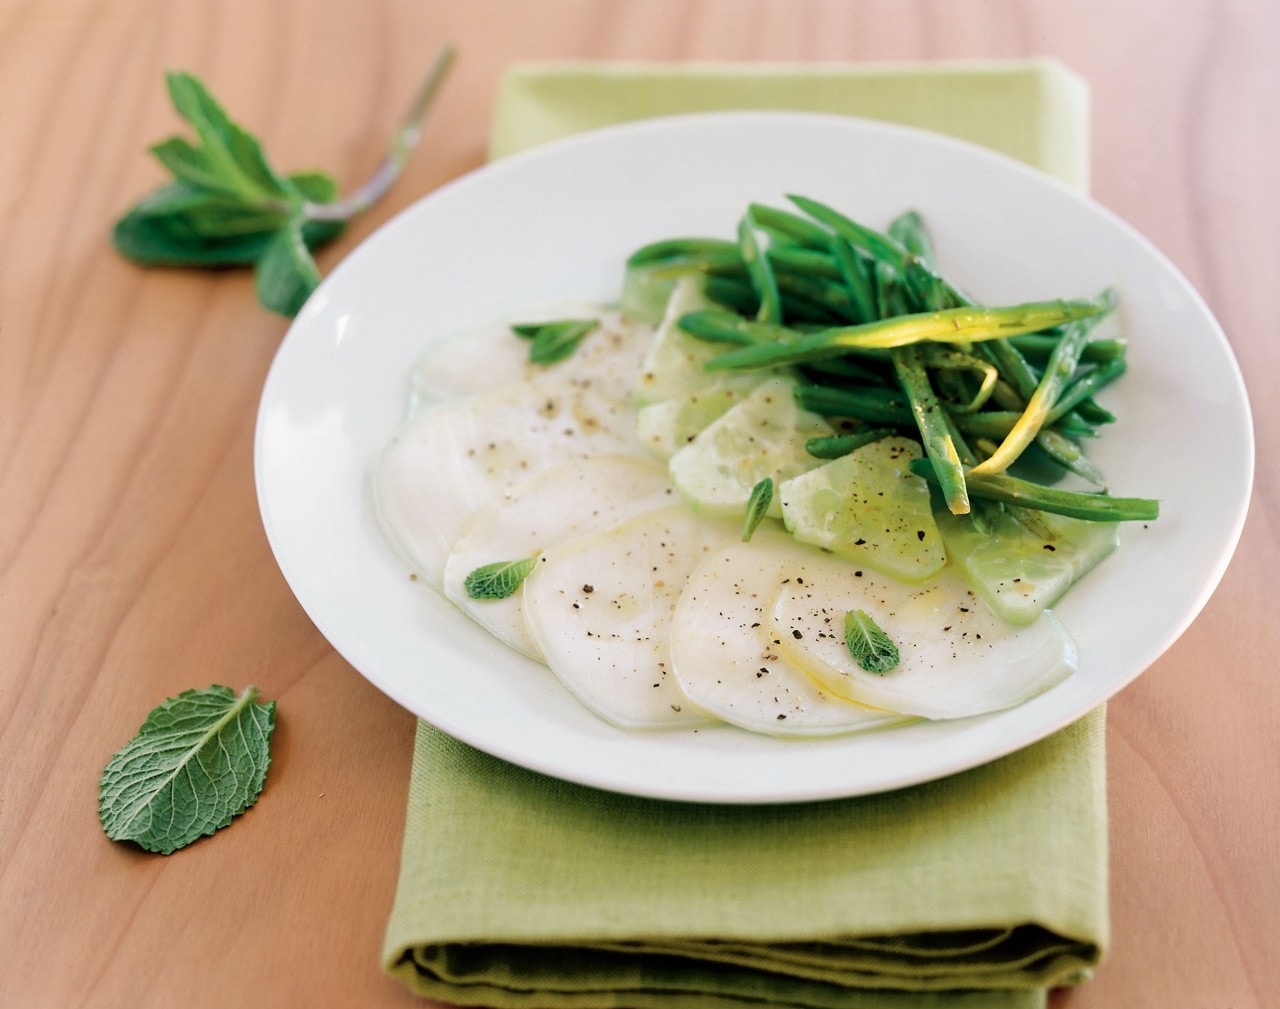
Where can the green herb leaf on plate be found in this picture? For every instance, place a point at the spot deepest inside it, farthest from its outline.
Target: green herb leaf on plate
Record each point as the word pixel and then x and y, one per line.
pixel 554 341
pixel 199 760
pixel 870 646
pixel 498 580
pixel 757 507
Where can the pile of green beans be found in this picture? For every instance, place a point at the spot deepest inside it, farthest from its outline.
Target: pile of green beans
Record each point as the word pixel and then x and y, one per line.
pixel 1001 398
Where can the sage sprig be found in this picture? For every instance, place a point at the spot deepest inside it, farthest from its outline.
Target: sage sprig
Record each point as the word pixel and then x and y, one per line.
pixel 228 207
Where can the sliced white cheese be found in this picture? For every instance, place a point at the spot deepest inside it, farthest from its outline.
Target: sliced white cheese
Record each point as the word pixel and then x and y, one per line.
pixel 457 457
pixel 957 658
pixel 599 609
pixel 565 501
pixel 609 356
pixel 727 656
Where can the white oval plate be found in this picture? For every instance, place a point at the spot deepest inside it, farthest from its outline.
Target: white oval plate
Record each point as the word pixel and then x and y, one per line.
pixel 558 222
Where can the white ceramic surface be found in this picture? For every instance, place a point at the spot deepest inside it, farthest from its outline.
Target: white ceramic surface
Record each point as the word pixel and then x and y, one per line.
pixel 559 221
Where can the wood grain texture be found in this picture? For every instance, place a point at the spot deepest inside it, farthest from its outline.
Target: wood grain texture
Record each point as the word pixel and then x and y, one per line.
pixel 133 564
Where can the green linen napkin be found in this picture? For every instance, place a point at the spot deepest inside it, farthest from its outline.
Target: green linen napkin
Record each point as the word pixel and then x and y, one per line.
pixel 979 891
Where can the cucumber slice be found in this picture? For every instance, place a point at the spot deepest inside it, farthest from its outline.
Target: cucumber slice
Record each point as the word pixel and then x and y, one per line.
pixel 763 436
pixel 662 429
pixel 672 368
pixel 870 508
pixel 1019 572
pixel 645 293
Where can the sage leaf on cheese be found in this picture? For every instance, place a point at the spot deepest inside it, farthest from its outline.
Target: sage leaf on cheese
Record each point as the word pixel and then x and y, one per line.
pixel 199 760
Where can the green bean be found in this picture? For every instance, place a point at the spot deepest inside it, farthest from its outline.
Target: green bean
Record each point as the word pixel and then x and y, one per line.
pixel 734 293
pixel 1023 493
pixel 760 272
pixel 909 231
pixel 854 273
pixel 1069 455
pixel 679 248
pixel 803 261
pixel 1077 394
pixel 860 368
pixel 713 326
pixel 950 360
pixel 935 433
pixel 799 230
pixel 833 297
pixel 842 444
pixel 878 406
pixel 1061 366
pixel 878 246
pixel 1038 346
pixel 956 325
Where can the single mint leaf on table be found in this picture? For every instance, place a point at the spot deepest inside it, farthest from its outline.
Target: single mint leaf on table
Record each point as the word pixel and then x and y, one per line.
pixel 199 760
pixel 498 580
pixel 227 206
pixel 870 647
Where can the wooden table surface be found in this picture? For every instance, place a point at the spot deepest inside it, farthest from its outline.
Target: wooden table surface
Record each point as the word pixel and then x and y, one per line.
pixel 133 564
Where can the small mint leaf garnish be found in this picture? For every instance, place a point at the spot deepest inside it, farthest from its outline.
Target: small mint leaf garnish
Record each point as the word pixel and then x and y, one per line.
pixel 498 580
pixel 199 760
pixel 870 647
pixel 554 341
pixel 757 507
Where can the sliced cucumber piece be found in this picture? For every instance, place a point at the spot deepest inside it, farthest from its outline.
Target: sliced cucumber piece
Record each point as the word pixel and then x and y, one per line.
pixel 763 436
pixel 1019 572
pixel 870 508
pixel 673 366
pixel 662 429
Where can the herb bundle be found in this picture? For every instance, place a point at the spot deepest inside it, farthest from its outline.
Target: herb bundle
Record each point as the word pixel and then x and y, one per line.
pixel 228 207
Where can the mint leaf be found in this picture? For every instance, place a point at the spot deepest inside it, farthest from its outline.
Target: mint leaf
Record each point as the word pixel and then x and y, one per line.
pixel 554 341
pixel 199 760
pixel 498 580
pixel 227 206
pixel 286 274
pixel 229 157
pixel 757 507
pixel 870 647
